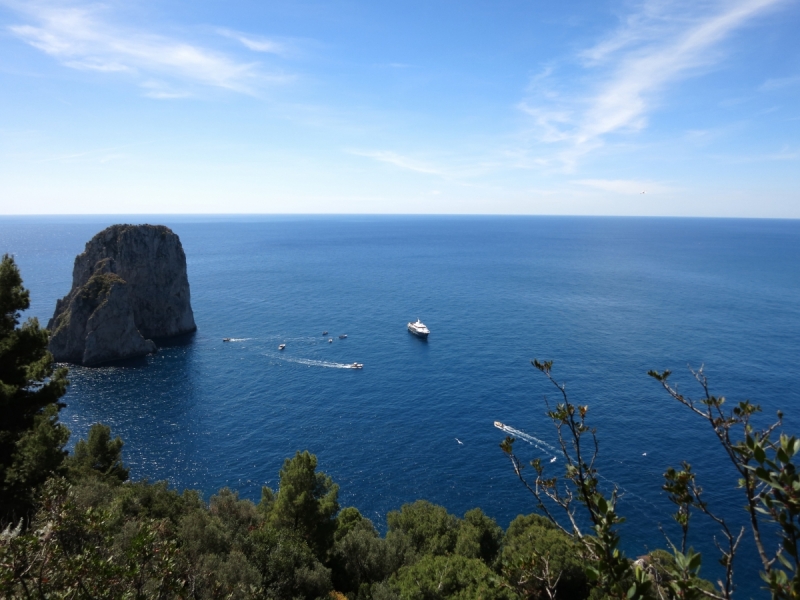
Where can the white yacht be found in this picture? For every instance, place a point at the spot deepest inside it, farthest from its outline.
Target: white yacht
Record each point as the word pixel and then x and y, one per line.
pixel 419 329
pixel 356 366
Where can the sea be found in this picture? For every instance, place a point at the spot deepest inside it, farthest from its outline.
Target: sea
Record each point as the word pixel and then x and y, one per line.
pixel 605 298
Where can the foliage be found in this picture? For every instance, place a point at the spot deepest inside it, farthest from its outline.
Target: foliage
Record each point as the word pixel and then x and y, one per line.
pixel 607 566
pixel 99 455
pixel 71 552
pixel 306 502
pixel 438 576
pixel 31 438
pixel 768 477
pixel 541 561
pixel 479 536
pixel 429 529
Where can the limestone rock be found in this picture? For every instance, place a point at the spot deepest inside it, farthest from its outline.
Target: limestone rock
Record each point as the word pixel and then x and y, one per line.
pixel 128 285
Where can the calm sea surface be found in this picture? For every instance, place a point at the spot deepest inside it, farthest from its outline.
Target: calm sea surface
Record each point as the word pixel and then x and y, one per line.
pixel 605 298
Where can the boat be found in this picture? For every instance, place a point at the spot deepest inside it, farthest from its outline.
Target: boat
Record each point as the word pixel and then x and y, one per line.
pixel 499 425
pixel 324 333
pixel 226 339
pixel 282 346
pixel 419 329
pixel 356 366
pixel 344 335
pixel 330 340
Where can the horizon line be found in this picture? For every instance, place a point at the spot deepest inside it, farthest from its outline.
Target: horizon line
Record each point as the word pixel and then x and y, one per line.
pixel 409 215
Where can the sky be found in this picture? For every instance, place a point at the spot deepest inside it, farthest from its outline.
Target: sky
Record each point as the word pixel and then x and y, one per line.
pixel 588 107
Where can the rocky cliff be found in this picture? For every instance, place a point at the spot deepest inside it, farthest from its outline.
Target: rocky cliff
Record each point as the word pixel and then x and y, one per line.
pixel 129 285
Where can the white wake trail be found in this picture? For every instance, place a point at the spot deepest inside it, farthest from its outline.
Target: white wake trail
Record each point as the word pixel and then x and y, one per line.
pixel 319 363
pixel 533 440
pixel 547 448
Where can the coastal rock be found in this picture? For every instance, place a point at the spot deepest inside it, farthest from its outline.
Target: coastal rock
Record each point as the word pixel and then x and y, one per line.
pixel 128 286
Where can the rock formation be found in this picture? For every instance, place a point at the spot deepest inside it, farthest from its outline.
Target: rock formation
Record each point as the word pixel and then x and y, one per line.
pixel 128 286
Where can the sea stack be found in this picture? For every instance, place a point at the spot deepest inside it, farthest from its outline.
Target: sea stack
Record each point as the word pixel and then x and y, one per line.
pixel 128 286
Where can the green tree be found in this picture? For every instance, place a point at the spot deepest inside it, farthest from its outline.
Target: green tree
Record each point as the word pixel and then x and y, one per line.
pixel 429 528
pixel 287 565
pixel 306 503
pixel 541 561
pixel 479 536
pixel 456 577
pixel 360 556
pixel 31 438
pixel 99 456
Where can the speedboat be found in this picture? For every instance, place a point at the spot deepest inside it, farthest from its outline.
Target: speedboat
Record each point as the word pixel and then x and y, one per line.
pixel 344 335
pixel 356 366
pixel 282 346
pixel 418 329
pixel 330 340
pixel 499 425
pixel 226 339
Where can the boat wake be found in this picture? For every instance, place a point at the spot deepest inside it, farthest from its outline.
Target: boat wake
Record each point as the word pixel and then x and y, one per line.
pixel 320 363
pixel 533 440
pixel 238 339
pixel 543 446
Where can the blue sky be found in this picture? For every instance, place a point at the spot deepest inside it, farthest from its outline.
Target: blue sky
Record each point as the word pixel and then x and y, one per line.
pixel 496 107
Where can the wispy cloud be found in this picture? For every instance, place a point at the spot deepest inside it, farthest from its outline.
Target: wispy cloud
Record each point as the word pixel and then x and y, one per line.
pixel 101 155
pixel 455 168
pixel 784 154
pixel 657 45
pixel 779 83
pixel 255 43
pixel 82 36
pixel 624 186
pixel 400 161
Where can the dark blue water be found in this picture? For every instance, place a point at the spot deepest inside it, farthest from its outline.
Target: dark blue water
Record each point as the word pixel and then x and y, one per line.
pixel 605 298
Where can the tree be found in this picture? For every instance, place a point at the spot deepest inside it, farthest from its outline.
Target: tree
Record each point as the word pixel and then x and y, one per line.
pixel 99 455
pixel 31 438
pixel 429 528
pixel 306 503
pixel 541 561
pixel 456 577
pixel 769 478
pixel 479 536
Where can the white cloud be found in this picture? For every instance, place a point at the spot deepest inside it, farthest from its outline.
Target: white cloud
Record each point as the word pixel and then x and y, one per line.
pixel 662 42
pixel 255 43
pixel 82 37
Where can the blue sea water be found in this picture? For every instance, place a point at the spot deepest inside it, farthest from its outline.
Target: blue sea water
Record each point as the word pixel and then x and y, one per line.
pixel 606 298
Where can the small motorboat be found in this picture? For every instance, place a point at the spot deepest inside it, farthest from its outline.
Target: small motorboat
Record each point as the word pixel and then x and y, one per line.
pixel 499 425
pixel 282 346
pixel 330 340
pixel 226 339
pixel 324 333
pixel 356 366
pixel 344 335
